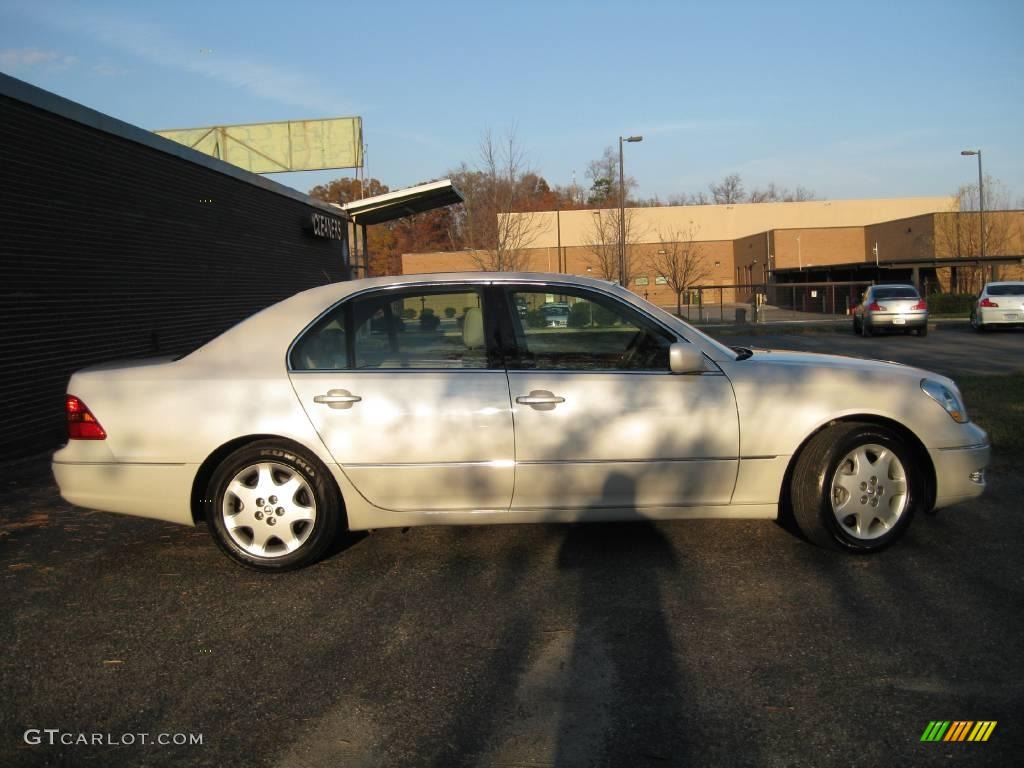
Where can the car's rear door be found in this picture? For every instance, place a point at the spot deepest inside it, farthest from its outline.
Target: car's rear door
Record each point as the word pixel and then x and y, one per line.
pixel 401 388
pixel 601 423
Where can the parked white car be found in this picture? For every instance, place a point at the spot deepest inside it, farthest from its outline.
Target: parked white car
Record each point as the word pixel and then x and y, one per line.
pixel 1000 304
pixel 326 412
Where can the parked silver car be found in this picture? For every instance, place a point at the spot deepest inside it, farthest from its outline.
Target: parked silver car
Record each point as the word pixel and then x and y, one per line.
pixel 1000 304
pixel 891 307
pixel 321 414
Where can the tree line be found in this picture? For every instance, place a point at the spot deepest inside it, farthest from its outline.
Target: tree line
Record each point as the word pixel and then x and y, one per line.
pixel 500 181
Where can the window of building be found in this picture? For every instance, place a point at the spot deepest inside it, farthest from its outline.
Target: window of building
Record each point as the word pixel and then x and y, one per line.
pixel 642 280
pixel 661 280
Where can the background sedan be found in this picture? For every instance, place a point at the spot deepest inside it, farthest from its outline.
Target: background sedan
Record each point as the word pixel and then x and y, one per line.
pixel 1000 304
pixel 891 307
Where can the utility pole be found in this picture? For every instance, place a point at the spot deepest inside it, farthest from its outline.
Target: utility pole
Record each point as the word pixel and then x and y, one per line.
pixel 622 212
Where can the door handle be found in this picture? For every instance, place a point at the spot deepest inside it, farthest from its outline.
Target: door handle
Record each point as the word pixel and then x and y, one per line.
pixel 337 398
pixel 540 399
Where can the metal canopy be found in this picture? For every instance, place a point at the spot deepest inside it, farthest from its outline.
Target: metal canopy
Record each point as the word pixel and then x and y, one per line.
pixel 403 202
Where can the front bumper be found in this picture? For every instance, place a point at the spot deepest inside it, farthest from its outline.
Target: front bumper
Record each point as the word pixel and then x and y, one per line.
pixel 960 473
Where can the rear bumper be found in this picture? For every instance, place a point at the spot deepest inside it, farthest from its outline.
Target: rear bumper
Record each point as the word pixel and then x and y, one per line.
pixel 897 319
pixel 158 491
pixel 960 473
pixel 1000 316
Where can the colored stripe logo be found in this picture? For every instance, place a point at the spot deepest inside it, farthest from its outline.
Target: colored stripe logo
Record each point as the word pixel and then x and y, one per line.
pixel 958 730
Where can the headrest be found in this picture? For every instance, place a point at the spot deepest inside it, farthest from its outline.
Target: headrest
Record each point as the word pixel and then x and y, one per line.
pixel 473 328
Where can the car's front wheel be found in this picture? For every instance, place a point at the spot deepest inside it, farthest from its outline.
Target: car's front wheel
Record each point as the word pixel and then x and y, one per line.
pixel 273 507
pixel 855 487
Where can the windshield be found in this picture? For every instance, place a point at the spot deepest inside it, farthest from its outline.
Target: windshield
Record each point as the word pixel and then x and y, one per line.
pixel 1013 289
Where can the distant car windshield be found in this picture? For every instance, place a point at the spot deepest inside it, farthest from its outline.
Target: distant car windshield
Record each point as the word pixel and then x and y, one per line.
pixel 896 292
pixel 1013 289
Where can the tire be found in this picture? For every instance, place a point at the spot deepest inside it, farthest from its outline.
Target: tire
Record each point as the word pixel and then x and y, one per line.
pixel 923 330
pixel 865 328
pixel 274 507
pixel 856 326
pixel 855 487
pixel 977 324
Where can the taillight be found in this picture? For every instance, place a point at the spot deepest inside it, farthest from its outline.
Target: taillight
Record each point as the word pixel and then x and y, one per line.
pixel 986 302
pixel 82 425
pixel 874 306
pixel 922 304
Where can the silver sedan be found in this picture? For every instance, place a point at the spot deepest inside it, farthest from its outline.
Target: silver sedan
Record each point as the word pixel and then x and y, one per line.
pixel 1000 304
pixel 891 308
pixel 432 399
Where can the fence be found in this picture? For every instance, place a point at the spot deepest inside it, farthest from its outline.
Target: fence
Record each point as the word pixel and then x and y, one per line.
pixel 776 302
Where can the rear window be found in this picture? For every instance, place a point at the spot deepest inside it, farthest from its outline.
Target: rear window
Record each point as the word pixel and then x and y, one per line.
pixel 896 292
pixel 1015 289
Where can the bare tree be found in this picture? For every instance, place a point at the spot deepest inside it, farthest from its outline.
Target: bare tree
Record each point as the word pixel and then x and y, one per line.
pixel 958 233
pixel 603 242
pixel 604 179
pixel 500 185
pixel 698 198
pixel 680 260
pixel 728 191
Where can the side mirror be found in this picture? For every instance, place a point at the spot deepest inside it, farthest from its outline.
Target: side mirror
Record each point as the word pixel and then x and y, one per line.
pixel 685 358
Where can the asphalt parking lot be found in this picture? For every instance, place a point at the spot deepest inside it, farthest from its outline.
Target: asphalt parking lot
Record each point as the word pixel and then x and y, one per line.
pixel 951 347
pixel 683 643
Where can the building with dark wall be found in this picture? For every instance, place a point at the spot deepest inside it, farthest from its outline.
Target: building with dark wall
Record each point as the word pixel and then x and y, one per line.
pixel 117 243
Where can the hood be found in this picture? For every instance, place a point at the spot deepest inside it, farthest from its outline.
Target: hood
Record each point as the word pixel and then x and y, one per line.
pixel 840 364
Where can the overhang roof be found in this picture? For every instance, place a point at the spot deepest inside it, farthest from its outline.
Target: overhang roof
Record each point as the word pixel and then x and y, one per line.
pixel 403 202
pixel 948 261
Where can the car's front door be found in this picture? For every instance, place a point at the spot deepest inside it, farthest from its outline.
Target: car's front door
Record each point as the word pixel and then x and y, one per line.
pixel 600 421
pixel 399 386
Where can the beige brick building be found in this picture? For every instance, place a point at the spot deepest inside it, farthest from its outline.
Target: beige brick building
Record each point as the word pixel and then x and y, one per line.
pixel 743 244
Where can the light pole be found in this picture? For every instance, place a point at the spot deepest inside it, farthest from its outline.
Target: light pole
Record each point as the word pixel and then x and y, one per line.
pixel 622 212
pixel 981 204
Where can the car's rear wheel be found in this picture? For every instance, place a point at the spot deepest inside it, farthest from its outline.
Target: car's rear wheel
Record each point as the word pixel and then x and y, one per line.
pixel 855 487
pixel 923 330
pixel 856 326
pixel 976 323
pixel 274 507
pixel 865 328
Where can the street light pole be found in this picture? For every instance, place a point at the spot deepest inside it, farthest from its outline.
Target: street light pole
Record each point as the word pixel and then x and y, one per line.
pixel 622 211
pixel 981 204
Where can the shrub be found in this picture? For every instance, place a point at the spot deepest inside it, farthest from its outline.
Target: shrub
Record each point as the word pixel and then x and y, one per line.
pixel 428 320
pixel 579 314
pixel 535 319
pixel 951 303
pixel 604 316
pixel 449 312
pixel 409 313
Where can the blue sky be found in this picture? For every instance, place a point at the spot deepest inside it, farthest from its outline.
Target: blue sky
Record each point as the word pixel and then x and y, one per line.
pixel 849 99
